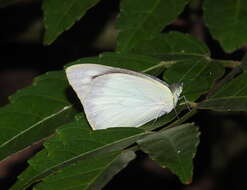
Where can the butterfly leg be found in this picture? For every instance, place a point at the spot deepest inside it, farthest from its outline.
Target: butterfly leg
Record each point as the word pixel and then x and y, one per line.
pixel 186 102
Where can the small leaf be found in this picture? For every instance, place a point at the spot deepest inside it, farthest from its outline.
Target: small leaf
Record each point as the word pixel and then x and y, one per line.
pixel 140 20
pixel 93 173
pixel 73 142
pixel 61 15
pixel 174 148
pixel 231 97
pixel 173 43
pixel 226 21
pixel 28 118
pixel 196 73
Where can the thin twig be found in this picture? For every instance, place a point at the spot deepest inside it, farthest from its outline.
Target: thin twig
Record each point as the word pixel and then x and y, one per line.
pixel 229 63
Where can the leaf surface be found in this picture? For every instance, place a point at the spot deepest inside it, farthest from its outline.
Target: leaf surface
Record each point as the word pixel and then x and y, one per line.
pixel 93 173
pixel 140 20
pixel 61 15
pixel 231 97
pixel 172 43
pixel 73 142
pixel 174 149
pixel 28 118
pixel 226 20
pixel 197 74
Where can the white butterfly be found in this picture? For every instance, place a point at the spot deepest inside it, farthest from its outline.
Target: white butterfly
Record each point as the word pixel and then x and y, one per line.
pixel 114 97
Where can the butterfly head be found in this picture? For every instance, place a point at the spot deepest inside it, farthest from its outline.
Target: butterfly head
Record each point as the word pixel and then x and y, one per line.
pixel 176 89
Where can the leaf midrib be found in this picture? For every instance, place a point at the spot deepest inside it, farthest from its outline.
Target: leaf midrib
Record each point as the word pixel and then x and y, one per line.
pixel 34 125
pixel 133 34
pixel 175 150
pixel 76 158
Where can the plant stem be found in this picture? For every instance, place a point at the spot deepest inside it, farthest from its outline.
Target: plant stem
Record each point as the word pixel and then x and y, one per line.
pixel 229 63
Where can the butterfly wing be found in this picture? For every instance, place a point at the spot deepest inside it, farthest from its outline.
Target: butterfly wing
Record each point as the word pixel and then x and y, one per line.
pixel 80 76
pixel 125 100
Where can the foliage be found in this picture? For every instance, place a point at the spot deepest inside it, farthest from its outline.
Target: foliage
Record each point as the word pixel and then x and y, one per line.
pixel 229 28
pixel 76 157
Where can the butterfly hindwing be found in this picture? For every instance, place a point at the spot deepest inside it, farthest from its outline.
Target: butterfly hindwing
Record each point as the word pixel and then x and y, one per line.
pixel 125 100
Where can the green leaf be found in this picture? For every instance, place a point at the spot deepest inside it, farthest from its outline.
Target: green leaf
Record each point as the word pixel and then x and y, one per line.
pixel 34 113
pixel 174 148
pixel 173 43
pixel 133 62
pixel 93 173
pixel 196 73
pixel 74 142
pixel 231 97
pixel 140 20
pixel 226 21
pixel 60 16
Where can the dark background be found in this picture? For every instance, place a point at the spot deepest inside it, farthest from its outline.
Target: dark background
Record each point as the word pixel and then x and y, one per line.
pixel 220 162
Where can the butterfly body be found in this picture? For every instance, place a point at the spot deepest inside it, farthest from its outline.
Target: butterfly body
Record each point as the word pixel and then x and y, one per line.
pixel 114 97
